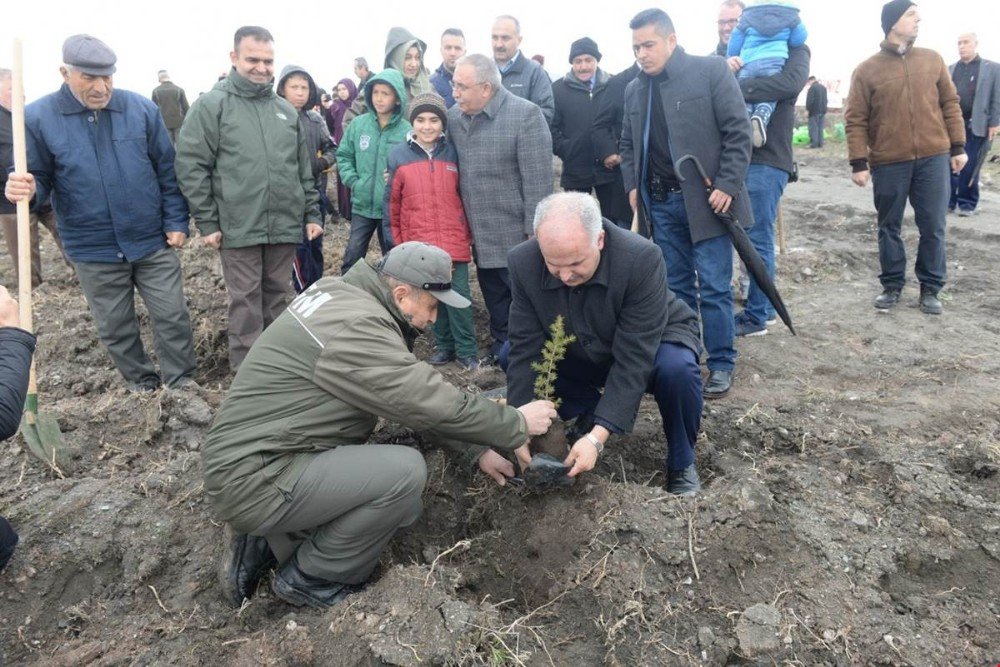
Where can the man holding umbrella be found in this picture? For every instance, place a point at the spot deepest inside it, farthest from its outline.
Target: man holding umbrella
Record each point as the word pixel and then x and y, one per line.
pixel 699 100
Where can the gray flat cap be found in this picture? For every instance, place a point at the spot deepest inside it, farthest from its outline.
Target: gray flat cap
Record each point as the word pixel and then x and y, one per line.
pixel 89 55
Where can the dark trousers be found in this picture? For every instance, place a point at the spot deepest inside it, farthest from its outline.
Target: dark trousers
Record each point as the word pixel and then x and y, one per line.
pixel 495 285
pixel 362 229
pixel 963 195
pixel 110 290
pixel 766 185
pixel 613 201
pixel 345 508
pixel 8 540
pixel 926 184
pixel 675 384
pixel 259 285
pixel 307 267
pixel 816 131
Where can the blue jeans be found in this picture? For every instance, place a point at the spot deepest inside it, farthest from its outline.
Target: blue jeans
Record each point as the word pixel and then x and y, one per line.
pixel 766 185
pixel 675 384
pixel 963 195
pixel 699 273
pixel 926 183
pixel 759 68
pixel 362 229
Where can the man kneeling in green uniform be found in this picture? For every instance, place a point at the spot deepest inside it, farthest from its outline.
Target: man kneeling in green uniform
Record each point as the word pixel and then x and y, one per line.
pixel 285 461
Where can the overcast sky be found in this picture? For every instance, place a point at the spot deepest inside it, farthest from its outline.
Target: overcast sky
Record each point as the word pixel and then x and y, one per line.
pixel 192 39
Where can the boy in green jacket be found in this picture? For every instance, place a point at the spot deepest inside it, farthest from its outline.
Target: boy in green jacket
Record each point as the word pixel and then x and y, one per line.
pixel 362 158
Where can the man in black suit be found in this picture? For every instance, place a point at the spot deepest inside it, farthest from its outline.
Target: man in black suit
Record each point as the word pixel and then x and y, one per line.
pixel 633 336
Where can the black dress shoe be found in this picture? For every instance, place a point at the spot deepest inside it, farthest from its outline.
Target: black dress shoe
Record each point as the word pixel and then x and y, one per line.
pixel 298 588
pixel 249 560
pixel 683 482
pixel 718 384
pixel 929 302
pixel 887 299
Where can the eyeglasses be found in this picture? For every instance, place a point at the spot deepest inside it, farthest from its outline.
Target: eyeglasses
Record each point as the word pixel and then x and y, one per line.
pixel 723 24
pixel 461 87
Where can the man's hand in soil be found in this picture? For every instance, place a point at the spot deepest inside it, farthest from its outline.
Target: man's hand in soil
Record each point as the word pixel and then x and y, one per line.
pixel 860 178
pixel 213 240
pixel 176 239
pixel 496 466
pixel 538 416
pixel 583 455
pixel 10 316
pixel 523 455
pixel 958 162
pixel 19 186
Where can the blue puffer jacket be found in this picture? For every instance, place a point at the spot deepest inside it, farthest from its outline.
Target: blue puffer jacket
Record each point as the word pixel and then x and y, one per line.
pixel 767 31
pixel 110 174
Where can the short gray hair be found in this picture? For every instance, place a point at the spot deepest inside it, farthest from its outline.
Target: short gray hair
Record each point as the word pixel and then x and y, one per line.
pixel 486 70
pixel 508 17
pixel 733 3
pixel 5 74
pixel 578 205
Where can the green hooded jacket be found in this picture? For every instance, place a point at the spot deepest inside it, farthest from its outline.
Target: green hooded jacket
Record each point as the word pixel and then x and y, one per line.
pixel 244 166
pixel 365 147
pixel 339 358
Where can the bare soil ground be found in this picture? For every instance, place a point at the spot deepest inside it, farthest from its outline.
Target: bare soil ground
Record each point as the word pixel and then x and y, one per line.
pixel 850 515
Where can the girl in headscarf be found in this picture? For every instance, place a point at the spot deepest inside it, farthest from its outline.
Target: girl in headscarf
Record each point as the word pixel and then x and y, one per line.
pixel 343 96
pixel 405 53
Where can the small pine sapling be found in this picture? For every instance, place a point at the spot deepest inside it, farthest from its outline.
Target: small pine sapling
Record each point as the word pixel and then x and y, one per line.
pixel 554 441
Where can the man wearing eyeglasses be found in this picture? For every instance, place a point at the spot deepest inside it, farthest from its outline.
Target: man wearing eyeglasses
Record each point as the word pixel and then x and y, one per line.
pixel 730 12
pixel 505 149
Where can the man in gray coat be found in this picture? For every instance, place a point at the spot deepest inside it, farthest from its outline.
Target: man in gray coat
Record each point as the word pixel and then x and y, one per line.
pixel 505 150
pixel 679 105
pixel 519 74
pixel 978 84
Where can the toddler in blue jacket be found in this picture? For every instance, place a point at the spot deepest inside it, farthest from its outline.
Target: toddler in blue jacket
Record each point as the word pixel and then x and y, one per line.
pixel 767 29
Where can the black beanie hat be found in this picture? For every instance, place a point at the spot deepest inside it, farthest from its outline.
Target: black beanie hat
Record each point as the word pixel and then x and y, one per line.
pixel 431 102
pixel 892 12
pixel 584 45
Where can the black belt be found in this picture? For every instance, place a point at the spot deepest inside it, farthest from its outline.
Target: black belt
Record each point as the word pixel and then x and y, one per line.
pixel 660 188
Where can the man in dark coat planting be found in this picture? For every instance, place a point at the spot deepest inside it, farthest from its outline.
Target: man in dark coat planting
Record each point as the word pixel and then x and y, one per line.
pixel 633 336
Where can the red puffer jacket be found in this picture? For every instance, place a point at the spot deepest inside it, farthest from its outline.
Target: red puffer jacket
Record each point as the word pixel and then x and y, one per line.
pixel 423 200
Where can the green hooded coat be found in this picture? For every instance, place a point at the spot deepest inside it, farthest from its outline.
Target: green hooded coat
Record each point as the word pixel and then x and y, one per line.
pixel 244 165
pixel 364 149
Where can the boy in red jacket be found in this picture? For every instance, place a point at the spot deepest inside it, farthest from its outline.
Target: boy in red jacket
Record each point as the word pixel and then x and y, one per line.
pixel 423 203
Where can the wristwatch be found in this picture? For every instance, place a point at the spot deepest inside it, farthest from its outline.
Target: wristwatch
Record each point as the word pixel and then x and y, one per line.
pixel 594 441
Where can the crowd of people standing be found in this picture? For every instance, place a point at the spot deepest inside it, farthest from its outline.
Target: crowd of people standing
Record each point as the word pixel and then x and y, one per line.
pixel 453 169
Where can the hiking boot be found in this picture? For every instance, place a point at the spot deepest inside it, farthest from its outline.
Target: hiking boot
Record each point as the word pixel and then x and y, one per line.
pixel 490 360
pixel 887 299
pixel 929 302
pixel 468 363
pixel 441 357
pixel 300 589
pixel 745 326
pixel 718 384
pixel 683 482
pixel 249 559
pixel 759 131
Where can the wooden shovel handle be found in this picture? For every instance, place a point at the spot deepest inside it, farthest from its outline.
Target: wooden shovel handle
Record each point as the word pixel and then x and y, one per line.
pixel 23 214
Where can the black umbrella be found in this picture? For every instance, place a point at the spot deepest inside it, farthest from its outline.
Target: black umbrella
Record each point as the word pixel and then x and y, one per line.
pixel 744 248
pixel 984 150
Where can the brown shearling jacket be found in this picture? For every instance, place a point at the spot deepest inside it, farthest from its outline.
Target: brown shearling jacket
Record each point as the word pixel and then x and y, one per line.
pixel 902 106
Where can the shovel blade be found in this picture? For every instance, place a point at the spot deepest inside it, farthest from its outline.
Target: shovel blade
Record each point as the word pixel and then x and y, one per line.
pixel 45 441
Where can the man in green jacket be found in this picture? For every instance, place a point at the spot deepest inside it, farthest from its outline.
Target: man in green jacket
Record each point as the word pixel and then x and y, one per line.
pixel 244 166
pixel 285 461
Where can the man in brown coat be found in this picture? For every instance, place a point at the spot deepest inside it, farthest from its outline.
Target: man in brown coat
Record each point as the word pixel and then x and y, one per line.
pixel 904 124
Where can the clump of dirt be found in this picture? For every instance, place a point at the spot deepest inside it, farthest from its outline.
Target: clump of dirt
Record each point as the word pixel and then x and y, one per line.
pixel 850 513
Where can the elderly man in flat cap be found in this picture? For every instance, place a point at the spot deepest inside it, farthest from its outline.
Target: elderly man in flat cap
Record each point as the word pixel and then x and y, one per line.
pixel 121 214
